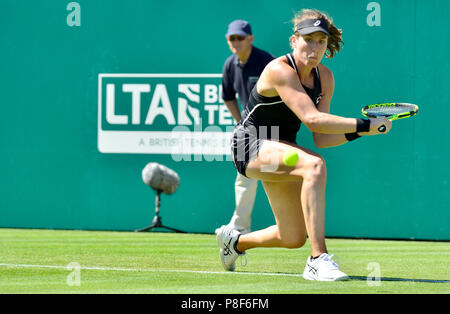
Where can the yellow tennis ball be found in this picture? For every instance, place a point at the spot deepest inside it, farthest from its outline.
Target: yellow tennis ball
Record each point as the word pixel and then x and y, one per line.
pixel 290 158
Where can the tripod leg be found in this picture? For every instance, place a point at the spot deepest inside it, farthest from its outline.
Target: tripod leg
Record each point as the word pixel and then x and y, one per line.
pixel 143 229
pixel 173 229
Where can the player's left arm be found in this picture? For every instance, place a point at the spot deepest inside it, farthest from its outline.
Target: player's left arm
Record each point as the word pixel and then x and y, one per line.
pixel 327 81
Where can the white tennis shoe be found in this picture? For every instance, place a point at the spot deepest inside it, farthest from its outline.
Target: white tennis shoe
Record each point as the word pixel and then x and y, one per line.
pixel 323 268
pixel 226 238
pixel 233 226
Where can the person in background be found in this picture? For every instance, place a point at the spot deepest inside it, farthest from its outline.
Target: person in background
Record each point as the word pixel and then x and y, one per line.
pixel 240 73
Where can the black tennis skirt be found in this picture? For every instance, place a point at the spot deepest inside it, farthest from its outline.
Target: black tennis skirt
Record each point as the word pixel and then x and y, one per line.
pixel 245 145
pixel 247 140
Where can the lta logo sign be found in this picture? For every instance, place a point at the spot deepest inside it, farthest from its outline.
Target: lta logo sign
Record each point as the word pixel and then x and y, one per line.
pixel 174 114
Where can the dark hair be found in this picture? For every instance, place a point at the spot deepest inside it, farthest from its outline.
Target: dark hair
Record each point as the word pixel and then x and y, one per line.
pixel 335 38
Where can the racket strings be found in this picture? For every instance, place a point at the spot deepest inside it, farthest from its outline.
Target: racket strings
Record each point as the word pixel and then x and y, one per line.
pixel 389 110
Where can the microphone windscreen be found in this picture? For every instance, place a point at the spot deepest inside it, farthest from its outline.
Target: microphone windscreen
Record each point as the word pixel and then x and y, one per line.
pixel 159 177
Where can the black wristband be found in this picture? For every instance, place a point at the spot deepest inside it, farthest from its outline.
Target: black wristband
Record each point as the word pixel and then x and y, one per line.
pixel 352 136
pixel 362 125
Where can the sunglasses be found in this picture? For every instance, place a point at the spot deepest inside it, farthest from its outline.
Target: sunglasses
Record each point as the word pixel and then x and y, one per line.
pixel 236 37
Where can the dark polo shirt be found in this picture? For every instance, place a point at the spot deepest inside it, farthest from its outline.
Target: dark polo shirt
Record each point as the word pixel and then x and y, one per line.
pixel 241 78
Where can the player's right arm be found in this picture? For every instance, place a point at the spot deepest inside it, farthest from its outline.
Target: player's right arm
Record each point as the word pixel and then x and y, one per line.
pixel 280 79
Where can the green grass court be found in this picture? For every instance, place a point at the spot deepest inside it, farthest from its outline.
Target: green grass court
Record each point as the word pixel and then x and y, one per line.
pixel 35 261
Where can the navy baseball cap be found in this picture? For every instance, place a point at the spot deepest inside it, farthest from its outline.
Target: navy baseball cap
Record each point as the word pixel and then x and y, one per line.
pixel 312 25
pixel 239 27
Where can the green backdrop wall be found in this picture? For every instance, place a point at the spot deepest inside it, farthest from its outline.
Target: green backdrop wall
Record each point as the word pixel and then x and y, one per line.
pixel 56 57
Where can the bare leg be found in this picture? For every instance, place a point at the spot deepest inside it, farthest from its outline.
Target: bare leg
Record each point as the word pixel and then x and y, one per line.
pixel 290 230
pixel 313 202
pixel 284 197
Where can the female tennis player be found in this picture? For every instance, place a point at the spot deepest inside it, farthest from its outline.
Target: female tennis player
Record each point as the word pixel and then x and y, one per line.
pixel 294 89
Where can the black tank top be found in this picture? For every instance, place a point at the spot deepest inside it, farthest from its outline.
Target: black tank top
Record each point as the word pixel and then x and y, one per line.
pixel 272 111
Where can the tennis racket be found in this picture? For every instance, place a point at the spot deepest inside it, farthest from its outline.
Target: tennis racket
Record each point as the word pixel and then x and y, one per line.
pixel 391 111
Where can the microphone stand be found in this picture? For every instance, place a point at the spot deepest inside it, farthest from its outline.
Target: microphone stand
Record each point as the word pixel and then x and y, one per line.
pixel 157 223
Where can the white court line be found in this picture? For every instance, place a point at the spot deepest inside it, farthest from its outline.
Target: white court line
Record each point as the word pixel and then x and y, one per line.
pixel 149 270
pixel 203 272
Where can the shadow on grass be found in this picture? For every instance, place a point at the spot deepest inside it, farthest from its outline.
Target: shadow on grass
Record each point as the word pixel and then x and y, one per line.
pixel 398 279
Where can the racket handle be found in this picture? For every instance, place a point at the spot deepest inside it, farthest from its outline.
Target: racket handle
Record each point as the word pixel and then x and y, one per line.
pixel 382 129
